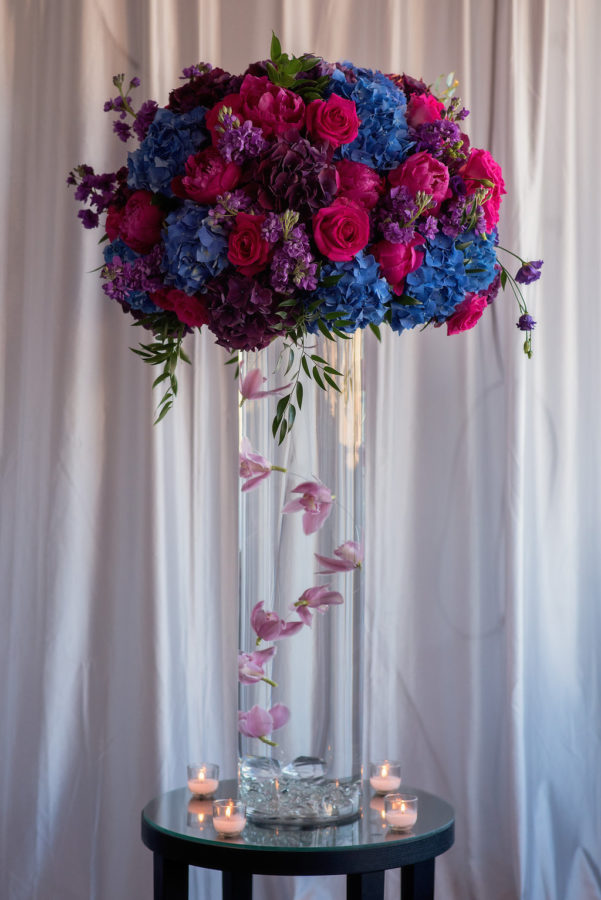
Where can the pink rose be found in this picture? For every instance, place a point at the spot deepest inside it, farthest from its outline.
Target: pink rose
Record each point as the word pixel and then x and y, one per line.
pixel 481 170
pixel 466 314
pixel 341 230
pixel 248 250
pixel 234 101
pixel 207 176
pixel 333 120
pixel 190 310
pixel 273 108
pixel 141 222
pixel 422 172
pixel 423 108
pixel 397 260
pixel 359 183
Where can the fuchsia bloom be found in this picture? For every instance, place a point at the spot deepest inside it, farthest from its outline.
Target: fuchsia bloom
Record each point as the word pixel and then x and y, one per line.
pixel 258 722
pixel 316 503
pixel 269 627
pixel 317 598
pixel 349 556
pixel 466 314
pixel 250 386
pixel 253 467
pixel 250 665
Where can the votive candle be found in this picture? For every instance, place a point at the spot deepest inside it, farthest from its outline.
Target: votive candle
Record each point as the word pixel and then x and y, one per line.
pixel 400 811
pixel 203 779
pixel 229 817
pixel 385 776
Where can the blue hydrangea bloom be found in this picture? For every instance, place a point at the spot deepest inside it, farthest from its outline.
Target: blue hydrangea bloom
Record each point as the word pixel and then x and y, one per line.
pixel 438 285
pixel 479 254
pixel 360 295
pixel 193 252
pixel 141 301
pixel 383 139
pixel 171 139
pixel 120 249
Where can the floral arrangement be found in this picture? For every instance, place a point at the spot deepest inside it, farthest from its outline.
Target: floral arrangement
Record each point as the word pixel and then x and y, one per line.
pixel 299 197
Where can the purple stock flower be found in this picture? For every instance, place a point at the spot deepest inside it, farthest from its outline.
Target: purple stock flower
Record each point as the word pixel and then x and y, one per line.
pixel 122 130
pixel 240 142
pixel 525 323
pixel 258 722
pixel 317 598
pixel 145 118
pixel 529 272
pixel 315 503
pixel 88 218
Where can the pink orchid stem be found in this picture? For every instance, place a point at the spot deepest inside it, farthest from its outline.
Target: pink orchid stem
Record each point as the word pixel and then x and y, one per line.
pixel 278 469
pixel 269 681
pixel 267 741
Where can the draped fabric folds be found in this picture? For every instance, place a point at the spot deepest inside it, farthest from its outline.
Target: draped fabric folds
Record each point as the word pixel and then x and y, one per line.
pixel 118 583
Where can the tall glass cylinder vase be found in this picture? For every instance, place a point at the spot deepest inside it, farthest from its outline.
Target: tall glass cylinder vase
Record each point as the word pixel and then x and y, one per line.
pixel 300 688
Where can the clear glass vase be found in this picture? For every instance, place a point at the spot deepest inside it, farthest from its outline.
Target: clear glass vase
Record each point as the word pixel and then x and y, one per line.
pixel 308 770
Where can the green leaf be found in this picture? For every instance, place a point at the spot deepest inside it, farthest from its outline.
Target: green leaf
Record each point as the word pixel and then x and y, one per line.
pixel 342 334
pixel 375 330
pixel 184 356
pixel 275 425
pixel 330 280
pixel 319 359
pixel 290 361
pixel 299 394
pixel 305 365
pixel 173 381
pixel 282 404
pixel 331 382
pixel 163 413
pixel 503 278
pixel 160 378
pixel 272 73
pixel 283 429
pixel 276 48
pixel 406 300
pixel 317 378
pixel 333 371
pixel 324 330
pixel 291 416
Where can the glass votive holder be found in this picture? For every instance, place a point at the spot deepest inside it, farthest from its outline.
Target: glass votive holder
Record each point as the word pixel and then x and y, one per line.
pixel 229 817
pixel 400 811
pixel 203 779
pixel 385 776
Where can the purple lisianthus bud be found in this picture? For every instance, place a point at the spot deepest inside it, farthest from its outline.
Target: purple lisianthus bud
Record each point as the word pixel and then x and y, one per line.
pixel 529 272
pixel 525 323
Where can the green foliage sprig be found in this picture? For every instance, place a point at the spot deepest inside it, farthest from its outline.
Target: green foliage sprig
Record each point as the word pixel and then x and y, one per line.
pixel 284 70
pixel 167 350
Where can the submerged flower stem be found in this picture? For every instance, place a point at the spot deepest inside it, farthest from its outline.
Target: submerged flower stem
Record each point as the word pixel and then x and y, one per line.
pixel 269 681
pixel 266 741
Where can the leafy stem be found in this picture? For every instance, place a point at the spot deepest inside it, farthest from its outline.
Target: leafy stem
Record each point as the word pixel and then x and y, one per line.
pixel 166 350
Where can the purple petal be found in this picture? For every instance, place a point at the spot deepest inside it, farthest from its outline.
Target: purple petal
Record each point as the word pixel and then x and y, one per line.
pixel 293 506
pixel 333 565
pixel 251 384
pixel 253 482
pixel 279 715
pixel 312 521
pixel 257 722
pixel 290 628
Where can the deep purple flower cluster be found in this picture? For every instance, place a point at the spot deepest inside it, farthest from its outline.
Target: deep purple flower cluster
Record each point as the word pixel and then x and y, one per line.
pixel 242 313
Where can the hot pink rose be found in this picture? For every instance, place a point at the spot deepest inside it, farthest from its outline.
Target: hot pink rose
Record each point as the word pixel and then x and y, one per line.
pixel 141 222
pixel 423 108
pixel 397 260
pixel 466 314
pixel 422 172
pixel 207 176
pixel 273 108
pixel 359 183
pixel 341 230
pixel 248 250
pixel 481 170
pixel 113 222
pixel 333 120
pixel 234 101
pixel 190 310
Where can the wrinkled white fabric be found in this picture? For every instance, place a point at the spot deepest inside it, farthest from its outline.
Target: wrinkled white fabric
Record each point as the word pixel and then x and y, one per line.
pixel 118 540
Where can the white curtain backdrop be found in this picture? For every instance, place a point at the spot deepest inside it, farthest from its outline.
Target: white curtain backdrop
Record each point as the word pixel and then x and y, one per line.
pixel 118 539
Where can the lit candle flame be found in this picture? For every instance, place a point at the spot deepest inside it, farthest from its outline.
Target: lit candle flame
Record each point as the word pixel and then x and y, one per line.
pixel 201 818
pixel 403 807
pixel 228 811
pixel 384 772
pixel 201 775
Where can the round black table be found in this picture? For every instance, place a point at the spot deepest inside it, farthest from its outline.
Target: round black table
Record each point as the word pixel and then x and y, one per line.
pixel 178 829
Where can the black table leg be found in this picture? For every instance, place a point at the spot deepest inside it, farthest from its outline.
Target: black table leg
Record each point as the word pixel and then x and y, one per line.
pixel 417 881
pixel 365 886
pixel 170 879
pixel 237 885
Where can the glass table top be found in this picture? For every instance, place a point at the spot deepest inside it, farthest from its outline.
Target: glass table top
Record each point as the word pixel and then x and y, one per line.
pixel 181 815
